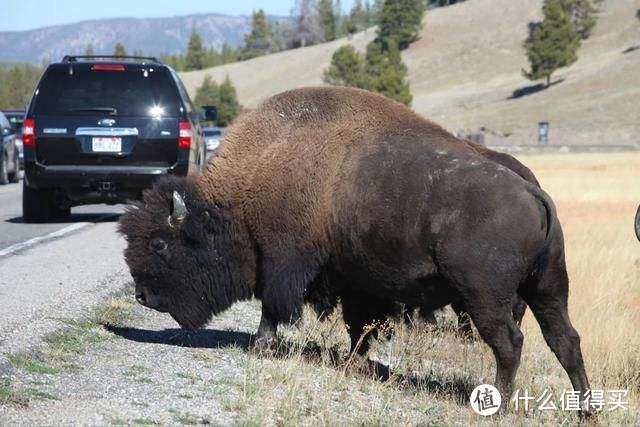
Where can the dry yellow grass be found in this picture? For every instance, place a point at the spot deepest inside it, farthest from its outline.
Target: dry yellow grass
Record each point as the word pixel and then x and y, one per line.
pixel 596 197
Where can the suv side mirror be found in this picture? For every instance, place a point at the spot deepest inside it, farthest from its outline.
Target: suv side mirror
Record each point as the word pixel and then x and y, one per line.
pixel 210 113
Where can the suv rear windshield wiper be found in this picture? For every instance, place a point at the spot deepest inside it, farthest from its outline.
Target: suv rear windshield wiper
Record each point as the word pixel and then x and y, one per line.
pixel 109 110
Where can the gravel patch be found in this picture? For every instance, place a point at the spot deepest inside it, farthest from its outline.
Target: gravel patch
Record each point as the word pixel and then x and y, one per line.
pixel 143 374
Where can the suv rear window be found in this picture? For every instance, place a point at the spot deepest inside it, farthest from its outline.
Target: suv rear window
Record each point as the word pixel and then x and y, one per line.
pixel 134 92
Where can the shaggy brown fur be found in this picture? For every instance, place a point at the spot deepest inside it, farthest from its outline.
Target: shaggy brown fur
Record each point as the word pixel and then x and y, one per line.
pixel 326 193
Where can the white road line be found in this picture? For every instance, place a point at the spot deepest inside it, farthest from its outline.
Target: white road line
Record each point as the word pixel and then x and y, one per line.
pixel 18 247
pixel 32 242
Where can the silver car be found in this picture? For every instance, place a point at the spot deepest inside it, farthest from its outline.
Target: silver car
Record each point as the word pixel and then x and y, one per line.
pixel 212 137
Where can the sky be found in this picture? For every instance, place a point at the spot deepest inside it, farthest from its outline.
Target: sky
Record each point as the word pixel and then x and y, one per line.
pixel 20 15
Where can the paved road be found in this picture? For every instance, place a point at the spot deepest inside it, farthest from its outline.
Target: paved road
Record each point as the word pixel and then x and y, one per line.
pixel 13 231
pixel 53 271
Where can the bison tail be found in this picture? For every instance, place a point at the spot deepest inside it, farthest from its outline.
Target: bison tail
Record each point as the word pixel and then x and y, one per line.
pixel 551 223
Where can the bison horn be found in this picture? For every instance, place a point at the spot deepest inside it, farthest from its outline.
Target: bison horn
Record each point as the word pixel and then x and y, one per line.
pixel 179 209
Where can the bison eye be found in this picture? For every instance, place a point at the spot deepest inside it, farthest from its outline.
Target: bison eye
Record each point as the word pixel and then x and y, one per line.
pixel 158 245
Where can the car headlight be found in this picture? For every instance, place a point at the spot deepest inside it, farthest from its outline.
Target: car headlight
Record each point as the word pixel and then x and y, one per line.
pixel 212 143
pixel 19 143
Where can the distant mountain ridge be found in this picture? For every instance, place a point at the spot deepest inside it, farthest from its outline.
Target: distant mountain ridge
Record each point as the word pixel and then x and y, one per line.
pixel 152 36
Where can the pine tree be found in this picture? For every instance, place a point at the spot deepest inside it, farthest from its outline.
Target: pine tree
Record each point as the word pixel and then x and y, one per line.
pixel 346 68
pixel 228 106
pixel 174 61
pixel 89 50
pixel 552 44
pixel 581 13
pixel 119 50
pixel 358 17
pixel 223 97
pixel 327 19
pixel 381 71
pixel 400 20
pixel 260 40
pixel 207 93
pixel 340 19
pixel 371 13
pixel 17 85
pixel 228 54
pixel 308 29
pixel 195 53
pixel 385 72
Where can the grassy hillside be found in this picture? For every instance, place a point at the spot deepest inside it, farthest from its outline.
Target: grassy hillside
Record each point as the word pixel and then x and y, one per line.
pixel 467 65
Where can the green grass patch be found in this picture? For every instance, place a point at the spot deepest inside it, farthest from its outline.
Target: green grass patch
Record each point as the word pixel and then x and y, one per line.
pixel 144 422
pixel 71 341
pixel 115 312
pixel 9 395
pixel 37 394
pixel 188 376
pixel 119 422
pixel 189 419
pixel 32 365
pixel 135 370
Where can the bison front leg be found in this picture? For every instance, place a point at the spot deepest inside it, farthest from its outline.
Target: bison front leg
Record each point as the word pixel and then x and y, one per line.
pixel 266 340
pixel 282 294
pixel 362 314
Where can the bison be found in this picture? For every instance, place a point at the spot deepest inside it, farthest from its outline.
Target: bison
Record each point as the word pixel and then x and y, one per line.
pixel 519 307
pixel 326 193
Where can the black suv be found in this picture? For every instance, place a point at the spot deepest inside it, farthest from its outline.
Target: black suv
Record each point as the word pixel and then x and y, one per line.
pixel 101 129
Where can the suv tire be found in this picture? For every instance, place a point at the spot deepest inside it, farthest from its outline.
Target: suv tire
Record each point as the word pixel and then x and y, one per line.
pixel 4 175
pixel 14 177
pixel 60 213
pixel 36 204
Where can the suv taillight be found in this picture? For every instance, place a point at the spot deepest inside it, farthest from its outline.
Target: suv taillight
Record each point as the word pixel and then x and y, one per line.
pixel 29 133
pixel 184 137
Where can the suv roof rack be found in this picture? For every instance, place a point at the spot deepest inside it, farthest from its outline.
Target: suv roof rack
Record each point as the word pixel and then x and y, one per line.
pixel 77 58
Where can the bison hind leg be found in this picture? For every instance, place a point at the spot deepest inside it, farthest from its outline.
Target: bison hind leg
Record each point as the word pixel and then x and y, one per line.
pixel 497 327
pixel 548 301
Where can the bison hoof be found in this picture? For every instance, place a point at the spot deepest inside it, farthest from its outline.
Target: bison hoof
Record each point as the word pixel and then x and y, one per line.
pixel 588 413
pixel 264 346
pixel 369 368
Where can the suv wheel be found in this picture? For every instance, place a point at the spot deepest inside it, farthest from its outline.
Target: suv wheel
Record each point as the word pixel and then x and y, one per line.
pixel 60 213
pixel 36 204
pixel 14 176
pixel 4 175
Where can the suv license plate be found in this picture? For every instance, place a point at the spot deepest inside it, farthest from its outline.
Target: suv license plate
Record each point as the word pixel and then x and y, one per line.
pixel 106 145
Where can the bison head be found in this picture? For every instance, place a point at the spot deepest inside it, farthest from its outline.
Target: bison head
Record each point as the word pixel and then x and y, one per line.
pixel 180 251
